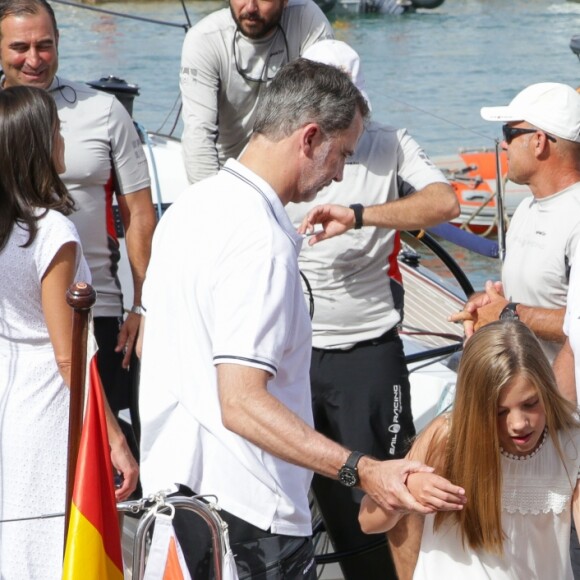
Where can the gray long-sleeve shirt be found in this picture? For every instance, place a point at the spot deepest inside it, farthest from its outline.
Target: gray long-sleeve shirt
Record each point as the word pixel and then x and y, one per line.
pixel 219 104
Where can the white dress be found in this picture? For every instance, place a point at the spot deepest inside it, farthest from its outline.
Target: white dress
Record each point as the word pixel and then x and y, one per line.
pixel 536 512
pixel 33 408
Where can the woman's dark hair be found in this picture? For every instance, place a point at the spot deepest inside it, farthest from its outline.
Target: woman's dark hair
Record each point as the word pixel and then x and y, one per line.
pixel 28 177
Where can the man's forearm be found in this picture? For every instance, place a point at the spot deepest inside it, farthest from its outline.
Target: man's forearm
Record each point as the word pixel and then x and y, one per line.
pixel 564 369
pixel 430 206
pixel 139 220
pixel 254 414
pixel 546 323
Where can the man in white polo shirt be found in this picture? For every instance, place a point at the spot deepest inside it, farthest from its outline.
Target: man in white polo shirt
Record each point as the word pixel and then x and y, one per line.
pixel 225 393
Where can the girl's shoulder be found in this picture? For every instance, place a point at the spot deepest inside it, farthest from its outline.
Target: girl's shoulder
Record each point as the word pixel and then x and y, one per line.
pixel 433 435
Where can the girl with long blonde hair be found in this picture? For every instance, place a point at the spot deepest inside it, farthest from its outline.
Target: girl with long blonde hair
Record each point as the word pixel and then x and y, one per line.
pixel 512 442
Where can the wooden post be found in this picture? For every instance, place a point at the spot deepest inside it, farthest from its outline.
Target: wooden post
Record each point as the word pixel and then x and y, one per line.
pixel 81 297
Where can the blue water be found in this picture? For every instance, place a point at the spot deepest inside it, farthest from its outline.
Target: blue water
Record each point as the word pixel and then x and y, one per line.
pixel 430 72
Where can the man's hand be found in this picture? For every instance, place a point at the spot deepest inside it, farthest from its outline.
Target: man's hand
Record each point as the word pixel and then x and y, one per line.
pixel 384 482
pixel 127 337
pixel 335 220
pixel 474 314
pixel 435 492
pixel 125 464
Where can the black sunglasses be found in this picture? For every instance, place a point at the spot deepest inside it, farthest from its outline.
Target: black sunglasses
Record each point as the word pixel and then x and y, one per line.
pixel 264 76
pixel 510 133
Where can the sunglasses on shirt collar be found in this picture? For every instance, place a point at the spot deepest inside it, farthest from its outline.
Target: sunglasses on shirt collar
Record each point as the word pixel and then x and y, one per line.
pixel 510 133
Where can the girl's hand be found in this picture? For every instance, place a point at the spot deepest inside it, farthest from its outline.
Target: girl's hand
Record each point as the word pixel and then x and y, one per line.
pixel 435 492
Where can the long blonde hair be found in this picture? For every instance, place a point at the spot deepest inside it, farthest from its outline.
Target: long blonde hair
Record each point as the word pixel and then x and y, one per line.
pixel 494 357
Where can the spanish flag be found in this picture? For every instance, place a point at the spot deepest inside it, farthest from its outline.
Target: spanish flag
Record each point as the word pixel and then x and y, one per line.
pixel 93 546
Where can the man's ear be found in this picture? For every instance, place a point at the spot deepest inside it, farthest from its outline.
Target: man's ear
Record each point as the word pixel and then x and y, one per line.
pixel 541 145
pixel 311 137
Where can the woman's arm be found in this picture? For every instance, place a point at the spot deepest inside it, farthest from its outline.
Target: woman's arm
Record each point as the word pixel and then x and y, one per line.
pixel 58 314
pixel 59 320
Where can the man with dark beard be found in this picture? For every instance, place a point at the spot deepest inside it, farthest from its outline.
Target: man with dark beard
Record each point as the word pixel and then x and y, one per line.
pixel 228 59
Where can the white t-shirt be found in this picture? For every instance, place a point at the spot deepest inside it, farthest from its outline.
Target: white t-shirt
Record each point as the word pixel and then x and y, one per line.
pixel 223 286
pixel 352 275
pixel 101 144
pixel 219 104
pixel 540 248
pixel 572 321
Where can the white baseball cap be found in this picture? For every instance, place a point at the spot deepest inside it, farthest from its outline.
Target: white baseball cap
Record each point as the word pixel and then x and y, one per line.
pixel 551 107
pixel 342 56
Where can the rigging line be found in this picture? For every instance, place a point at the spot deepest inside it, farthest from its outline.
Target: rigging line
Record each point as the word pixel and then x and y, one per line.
pixel 186 14
pixel 185 27
pixel 448 121
pixel 40 517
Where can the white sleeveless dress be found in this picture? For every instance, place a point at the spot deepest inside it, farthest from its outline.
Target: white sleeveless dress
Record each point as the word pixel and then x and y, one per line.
pixel 536 516
pixel 33 407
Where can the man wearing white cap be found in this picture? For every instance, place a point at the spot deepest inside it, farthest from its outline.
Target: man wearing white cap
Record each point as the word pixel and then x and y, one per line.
pixel 542 139
pixel 360 384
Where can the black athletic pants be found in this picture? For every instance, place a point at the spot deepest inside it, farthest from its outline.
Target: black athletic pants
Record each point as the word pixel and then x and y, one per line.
pixel 362 399
pixel 119 384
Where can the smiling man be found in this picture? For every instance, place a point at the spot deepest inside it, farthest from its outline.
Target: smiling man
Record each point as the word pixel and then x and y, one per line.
pixel 228 60
pixel 104 158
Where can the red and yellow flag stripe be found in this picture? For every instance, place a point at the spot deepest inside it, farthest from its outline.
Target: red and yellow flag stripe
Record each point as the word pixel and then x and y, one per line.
pixel 93 547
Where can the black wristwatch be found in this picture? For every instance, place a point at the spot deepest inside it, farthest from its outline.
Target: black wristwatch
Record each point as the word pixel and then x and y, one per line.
pixel 348 473
pixel 358 212
pixel 510 312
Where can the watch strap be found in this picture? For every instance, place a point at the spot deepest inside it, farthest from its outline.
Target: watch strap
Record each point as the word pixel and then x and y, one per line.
pixel 357 208
pixel 353 459
pixel 510 312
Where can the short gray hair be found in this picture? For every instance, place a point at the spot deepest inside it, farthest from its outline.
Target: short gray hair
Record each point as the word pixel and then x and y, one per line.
pixel 305 92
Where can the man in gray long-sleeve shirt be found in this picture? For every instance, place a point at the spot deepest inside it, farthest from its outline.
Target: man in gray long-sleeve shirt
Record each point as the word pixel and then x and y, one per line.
pixel 227 61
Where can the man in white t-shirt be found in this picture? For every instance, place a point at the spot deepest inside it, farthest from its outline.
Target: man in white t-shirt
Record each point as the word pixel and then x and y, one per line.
pixel 542 141
pixel 104 158
pixel 567 364
pixel 360 382
pixel 228 60
pixel 225 394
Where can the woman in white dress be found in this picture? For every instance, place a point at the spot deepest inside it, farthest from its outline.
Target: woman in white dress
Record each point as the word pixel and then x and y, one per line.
pixel 512 442
pixel 40 256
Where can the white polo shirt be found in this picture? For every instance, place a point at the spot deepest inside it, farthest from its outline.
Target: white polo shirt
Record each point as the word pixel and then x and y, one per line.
pixel 223 286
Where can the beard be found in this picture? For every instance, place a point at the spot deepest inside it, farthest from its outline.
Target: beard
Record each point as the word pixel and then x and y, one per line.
pixel 255 26
pixel 313 181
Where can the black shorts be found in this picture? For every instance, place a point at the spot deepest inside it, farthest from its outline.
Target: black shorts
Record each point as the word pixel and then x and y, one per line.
pixel 362 397
pixel 116 380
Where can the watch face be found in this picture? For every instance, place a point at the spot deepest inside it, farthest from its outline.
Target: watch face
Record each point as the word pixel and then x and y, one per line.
pixel 348 477
pixel 509 313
